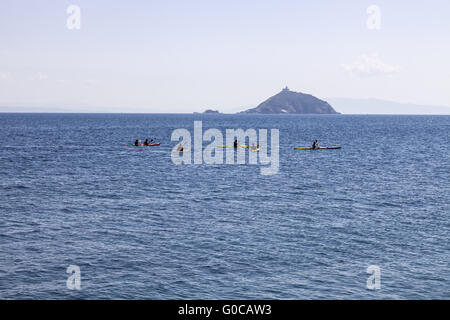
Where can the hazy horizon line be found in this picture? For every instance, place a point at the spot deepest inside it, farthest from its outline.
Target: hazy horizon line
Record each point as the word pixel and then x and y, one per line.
pixel 104 110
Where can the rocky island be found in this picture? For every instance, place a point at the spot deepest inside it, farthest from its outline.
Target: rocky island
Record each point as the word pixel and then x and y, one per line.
pixel 209 111
pixel 291 102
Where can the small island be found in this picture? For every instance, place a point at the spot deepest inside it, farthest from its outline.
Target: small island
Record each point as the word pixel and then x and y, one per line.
pixel 291 102
pixel 209 111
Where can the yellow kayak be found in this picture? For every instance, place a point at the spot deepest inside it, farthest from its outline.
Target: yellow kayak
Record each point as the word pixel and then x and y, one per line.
pixel 318 148
pixel 240 146
pixel 246 146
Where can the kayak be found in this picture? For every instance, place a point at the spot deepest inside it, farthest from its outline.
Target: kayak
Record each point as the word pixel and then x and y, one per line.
pixel 319 148
pixel 141 145
pixel 185 150
pixel 241 146
pixel 254 149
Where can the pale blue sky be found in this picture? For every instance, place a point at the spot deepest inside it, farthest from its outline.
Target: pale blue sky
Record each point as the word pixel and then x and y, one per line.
pixel 184 56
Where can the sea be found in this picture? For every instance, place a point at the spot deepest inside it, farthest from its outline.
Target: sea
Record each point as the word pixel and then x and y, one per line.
pixel 368 221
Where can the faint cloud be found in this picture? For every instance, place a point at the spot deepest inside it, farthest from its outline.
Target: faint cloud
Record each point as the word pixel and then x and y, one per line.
pixel 92 82
pixel 370 65
pixel 39 76
pixel 5 75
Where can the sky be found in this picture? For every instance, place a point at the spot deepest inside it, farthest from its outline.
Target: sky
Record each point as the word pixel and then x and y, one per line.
pixel 186 56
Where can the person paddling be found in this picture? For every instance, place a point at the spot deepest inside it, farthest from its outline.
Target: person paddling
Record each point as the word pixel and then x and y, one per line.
pixel 235 143
pixel 136 143
pixel 180 148
pixel 315 144
pixel 146 142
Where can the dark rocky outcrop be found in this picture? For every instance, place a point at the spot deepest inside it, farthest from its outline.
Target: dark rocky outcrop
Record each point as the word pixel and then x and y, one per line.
pixel 209 111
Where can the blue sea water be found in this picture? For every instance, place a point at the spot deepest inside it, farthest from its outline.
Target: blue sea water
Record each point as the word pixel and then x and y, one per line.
pixel 140 227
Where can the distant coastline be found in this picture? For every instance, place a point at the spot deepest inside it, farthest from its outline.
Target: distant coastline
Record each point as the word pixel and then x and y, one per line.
pixel 345 106
pixel 379 107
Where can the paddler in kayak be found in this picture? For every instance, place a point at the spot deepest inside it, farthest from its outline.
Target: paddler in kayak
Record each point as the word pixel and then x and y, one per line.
pixel 180 148
pixel 235 143
pixel 147 143
pixel 315 144
pixel 136 143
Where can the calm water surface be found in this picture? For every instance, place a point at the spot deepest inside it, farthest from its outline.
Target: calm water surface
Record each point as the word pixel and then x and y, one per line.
pixel 140 227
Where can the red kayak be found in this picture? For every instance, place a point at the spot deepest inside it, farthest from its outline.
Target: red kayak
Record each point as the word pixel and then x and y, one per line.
pixel 141 145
